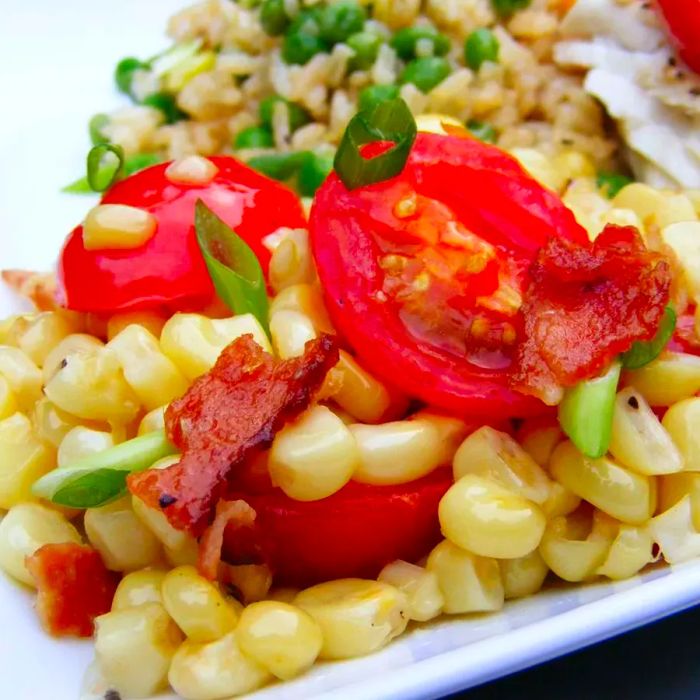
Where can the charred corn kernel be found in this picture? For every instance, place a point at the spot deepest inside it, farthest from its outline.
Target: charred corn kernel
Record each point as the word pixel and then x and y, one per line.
pixel 152 321
pixel 26 528
pixel 684 239
pixel 122 540
pixel 639 441
pixel 191 170
pixel 469 583
pixel 215 670
pixel 80 442
pixel 22 375
pixel 117 226
pixel 134 648
pixel 539 441
pixel 154 378
pixel 8 402
pixel 153 420
pixel 313 457
pixel 196 605
pixel 283 595
pixel 420 586
pixel 667 380
pixel 281 637
pixel 93 387
pixel 523 576
pixel 434 123
pixel 42 334
pixel 674 487
pixel 360 394
pixel 561 501
pixel 159 525
pixel 74 344
pixel 396 452
pixel 290 331
pixel 51 423
pixel 496 456
pixel 194 342
pixel 573 164
pixel 483 517
pixel 23 459
pixel 356 616
pixel 617 491
pixel 675 532
pixel 541 168
pixel 682 421
pixel 307 299
pixel 630 552
pixel 139 588
pixel 291 261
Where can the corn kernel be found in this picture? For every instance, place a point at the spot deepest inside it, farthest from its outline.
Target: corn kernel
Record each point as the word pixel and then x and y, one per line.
pixel 52 424
pixel 152 321
pixel 8 402
pixel 307 299
pixel 76 343
pixel 396 13
pixel 675 532
pixel 684 239
pixel 588 206
pixel 290 331
pixel 541 168
pixel 674 487
pixel 158 524
pixel 669 379
pixel 139 588
pixel 152 421
pixel 630 552
pixel 252 581
pixel 420 586
pixel 22 375
pixel 561 501
pixel 191 170
pixel 42 334
pixel 644 200
pixel 681 421
pixel 573 164
pixel 81 442
pixel 523 576
pixel 433 123
pixel 283 595
pixel 539 440
pixel 117 226
pixel 291 262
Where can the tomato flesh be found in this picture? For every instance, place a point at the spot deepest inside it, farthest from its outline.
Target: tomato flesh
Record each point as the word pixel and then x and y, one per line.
pixel 683 19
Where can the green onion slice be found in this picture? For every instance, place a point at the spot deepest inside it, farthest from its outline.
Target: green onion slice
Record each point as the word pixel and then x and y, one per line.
pixel 233 266
pixel 101 478
pixel 390 120
pixel 642 353
pixel 164 62
pixel 586 412
pixel 104 164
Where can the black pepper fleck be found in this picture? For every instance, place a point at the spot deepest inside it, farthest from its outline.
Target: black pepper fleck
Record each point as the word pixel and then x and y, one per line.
pixel 64 363
pixel 633 403
pixel 112 695
pixel 166 500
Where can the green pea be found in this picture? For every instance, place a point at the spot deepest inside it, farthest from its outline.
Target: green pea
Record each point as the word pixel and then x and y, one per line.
pixel 273 18
pixel 481 45
pixel 425 73
pixel 505 8
pixel 124 73
pixel 611 183
pixel 299 48
pixel 341 19
pixel 279 166
pixel 254 137
pixel 312 173
pixel 482 131
pixel 405 40
pixel 366 47
pixel 374 94
pixel 165 102
pixel 298 116
pixel 95 127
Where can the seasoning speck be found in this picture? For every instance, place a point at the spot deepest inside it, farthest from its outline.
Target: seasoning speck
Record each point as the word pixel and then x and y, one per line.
pixel 64 363
pixel 166 500
pixel 112 695
pixel 633 403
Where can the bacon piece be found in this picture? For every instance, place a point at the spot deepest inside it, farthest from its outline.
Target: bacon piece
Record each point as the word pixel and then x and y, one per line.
pixel 74 587
pixel 38 287
pixel 226 417
pixel 584 306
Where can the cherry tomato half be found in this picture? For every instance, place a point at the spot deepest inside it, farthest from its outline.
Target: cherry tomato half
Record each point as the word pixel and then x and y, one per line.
pixel 424 273
pixel 683 19
pixel 169 270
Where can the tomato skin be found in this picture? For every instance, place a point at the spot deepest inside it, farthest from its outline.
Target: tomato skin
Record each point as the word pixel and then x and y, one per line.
pixel 683 20
pixel 508 210
pixel 169 269
pixel 353 533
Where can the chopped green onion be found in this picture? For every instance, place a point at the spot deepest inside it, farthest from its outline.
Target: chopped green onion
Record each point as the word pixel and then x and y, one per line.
pixel 480 46
pixel 166 61
pixel 104 163
pixel 254 137
pixel 299 47
pixel 642 353
pixel 505 8
pixel 482 131
pixel 79 186
pixel 366 47
pixel 95 126
pixel 586 412
pixel 425 73
pixel 387 121
pixel 611 183
pixel 279 166
pixel 405 40
pixel 273 18
pixel 372 95
pixel 124 73
pixel 165 103
pixel 313 172
pixel 101 478
pixel 298 116
pixel 233 266
pixel 340 19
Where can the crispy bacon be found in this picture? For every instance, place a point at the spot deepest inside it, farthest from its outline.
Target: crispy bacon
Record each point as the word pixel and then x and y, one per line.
pixel 38 287
pixel 74 587
pixel 584 306
pixel 226 417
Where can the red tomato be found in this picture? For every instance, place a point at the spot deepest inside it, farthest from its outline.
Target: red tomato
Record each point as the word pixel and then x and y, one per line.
pixel 683 19
pixel 354 532
pixel 424 273
pixel 169 270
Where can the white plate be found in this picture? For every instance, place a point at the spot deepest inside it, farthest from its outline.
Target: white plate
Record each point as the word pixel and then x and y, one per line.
pixel 57 60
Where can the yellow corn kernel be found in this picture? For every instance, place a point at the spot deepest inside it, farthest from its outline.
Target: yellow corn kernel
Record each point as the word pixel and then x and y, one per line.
pixel 313 457
pixel 26 528
pixel 283 595
pixel 356 616
pixel 496 456
pixel 81 442
pixel 290 331
pixel 541 168
pixel 589 207
pixel 134 648
pixel 52 424
pixel 152 321
pixel 469 583
pixel 215 670
pixel 396 13
pixel 252 581
pixel 451 432
pixel 196 605
pixel 154 378
pixel 433 123
pixel 539 440
pixel 644 200
pixel 639 441
pixel 191 170
pixel 667 380
pixel 159 525
pixel 12 327
pixel 74 344
pixel 291 262
pixel 117 226
pixel 153 420
pixel 397 452
pixel 523 576
pixel 308 300
pixel 22 375
pixel 617 491
pixel 139 588
pixel 561 501
pixel 194 342
pixel 630 552
pixel 675 532
pixel 573 164
pixel 694 197
pixel 483 517
pixel 420 586
pixel 677 208
pixel 281 637
pixel 8 402
pixel 674 487
pixel 23 459
pixel 623 217
pixel 186 554
pixel 684 239
pixel 360 394
pixel 681 422
pixel 42 334
pixel 122 540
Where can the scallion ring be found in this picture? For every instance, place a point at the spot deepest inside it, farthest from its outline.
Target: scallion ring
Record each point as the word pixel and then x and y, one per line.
pixel 104 164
